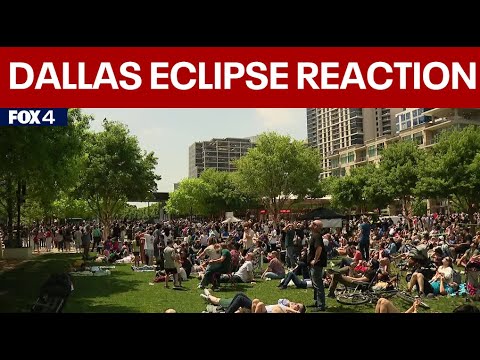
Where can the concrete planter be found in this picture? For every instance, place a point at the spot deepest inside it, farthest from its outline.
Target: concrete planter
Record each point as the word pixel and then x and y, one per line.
pixel 17 253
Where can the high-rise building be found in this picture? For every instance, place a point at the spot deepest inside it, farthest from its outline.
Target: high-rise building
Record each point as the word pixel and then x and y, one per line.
pixel 332 130
pixel 216 154
pixel 421 125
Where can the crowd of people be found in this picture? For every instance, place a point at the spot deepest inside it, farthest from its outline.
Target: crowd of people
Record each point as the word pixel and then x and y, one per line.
pixel 430 248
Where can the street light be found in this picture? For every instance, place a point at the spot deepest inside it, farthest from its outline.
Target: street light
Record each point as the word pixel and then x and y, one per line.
pixel 21 192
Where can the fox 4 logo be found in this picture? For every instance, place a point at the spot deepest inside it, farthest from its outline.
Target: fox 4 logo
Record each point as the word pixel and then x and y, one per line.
pixel 31 117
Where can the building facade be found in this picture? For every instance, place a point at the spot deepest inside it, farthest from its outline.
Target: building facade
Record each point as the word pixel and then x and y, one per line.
pixel 218 154
pixel 421 125
pixel 342 130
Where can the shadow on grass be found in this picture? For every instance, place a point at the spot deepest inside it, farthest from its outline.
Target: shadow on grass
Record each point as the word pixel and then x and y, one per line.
pixel 19 287
pixel 350 309
pixel 231 288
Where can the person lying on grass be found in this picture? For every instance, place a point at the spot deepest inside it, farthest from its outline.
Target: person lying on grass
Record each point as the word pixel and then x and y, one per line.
pixel 241 303
pixel 385 306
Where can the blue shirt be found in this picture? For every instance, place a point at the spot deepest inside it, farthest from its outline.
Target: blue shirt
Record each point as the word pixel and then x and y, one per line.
pixel 365 233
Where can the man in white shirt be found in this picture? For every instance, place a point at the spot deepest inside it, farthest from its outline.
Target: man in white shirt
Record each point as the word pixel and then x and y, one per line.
pixel 149 246
pixel 203 240
pixel 245 273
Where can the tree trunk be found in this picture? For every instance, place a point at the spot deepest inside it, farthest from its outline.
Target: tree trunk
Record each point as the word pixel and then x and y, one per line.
pixel 405 211
pixel 106 222
pixel 471 211
pixel 272 209
pixel 10 222
pixel 347 227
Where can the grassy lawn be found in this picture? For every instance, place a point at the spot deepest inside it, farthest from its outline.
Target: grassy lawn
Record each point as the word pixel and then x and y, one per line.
pixel 125 291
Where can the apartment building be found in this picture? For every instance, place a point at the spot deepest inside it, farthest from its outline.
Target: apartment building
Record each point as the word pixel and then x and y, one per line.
pixel 335 131
pixel 217 154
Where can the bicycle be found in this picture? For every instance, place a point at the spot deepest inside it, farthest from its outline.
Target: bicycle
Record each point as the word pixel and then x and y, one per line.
pixel 405 296
pixel 356 297
pixel 363 292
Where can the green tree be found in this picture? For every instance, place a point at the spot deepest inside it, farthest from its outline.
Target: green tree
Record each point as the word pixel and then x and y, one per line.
pixel 189 198
pixel 451 169
pixel 277 168
pixel 345 192
pixel 66 206
pixel 222 193
pixel 115 169
pixel 419 207
pixel 399 167
pixel 39 159
pixel 373 186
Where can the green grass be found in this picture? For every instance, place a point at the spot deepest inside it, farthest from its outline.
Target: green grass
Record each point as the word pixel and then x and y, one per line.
pixel 125 291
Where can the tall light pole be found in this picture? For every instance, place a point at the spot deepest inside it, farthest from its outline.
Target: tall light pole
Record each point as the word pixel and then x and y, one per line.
pixel 21 192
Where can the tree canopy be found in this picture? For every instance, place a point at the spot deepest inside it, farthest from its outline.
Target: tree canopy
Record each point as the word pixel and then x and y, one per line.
pixel 40 160
pixel 277 168
pixel 451 169
pixel 115 168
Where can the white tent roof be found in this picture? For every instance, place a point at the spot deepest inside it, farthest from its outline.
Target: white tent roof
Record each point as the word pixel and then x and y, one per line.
pixel 230 220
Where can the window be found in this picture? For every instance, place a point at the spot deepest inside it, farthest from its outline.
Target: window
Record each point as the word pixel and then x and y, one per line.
pixel 418 138
pixel 351 157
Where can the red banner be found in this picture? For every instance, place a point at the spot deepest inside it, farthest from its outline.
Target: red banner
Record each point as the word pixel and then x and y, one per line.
pixel 221 77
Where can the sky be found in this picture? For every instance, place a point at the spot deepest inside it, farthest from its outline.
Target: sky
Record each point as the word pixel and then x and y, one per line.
pixel 169 132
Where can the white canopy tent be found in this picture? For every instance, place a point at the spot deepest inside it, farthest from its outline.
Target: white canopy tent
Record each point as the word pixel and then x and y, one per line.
pixel 231 220
pixel 332 223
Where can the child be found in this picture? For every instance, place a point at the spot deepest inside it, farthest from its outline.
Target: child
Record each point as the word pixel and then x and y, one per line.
pixel 136 250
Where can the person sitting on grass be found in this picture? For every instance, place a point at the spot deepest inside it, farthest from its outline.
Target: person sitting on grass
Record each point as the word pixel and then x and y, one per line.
pixel 440 284
pixel 472 251
pixel 275 269
pixel 221 265
pixel 299 284
pixel 353 259
pixel 385 306
pixel 351 281
pixel 302 267
pixel 244 274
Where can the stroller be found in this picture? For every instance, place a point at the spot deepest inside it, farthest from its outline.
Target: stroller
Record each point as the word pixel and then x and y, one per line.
pixel 53 294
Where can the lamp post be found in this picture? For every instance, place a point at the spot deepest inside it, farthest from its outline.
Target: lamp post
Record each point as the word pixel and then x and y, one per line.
pixel 21 192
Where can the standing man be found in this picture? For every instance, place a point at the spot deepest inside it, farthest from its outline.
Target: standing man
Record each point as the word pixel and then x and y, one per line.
pixel 317 260
pixel 97 237
pixel 291 256
pixel 364 236
pixel 86 239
